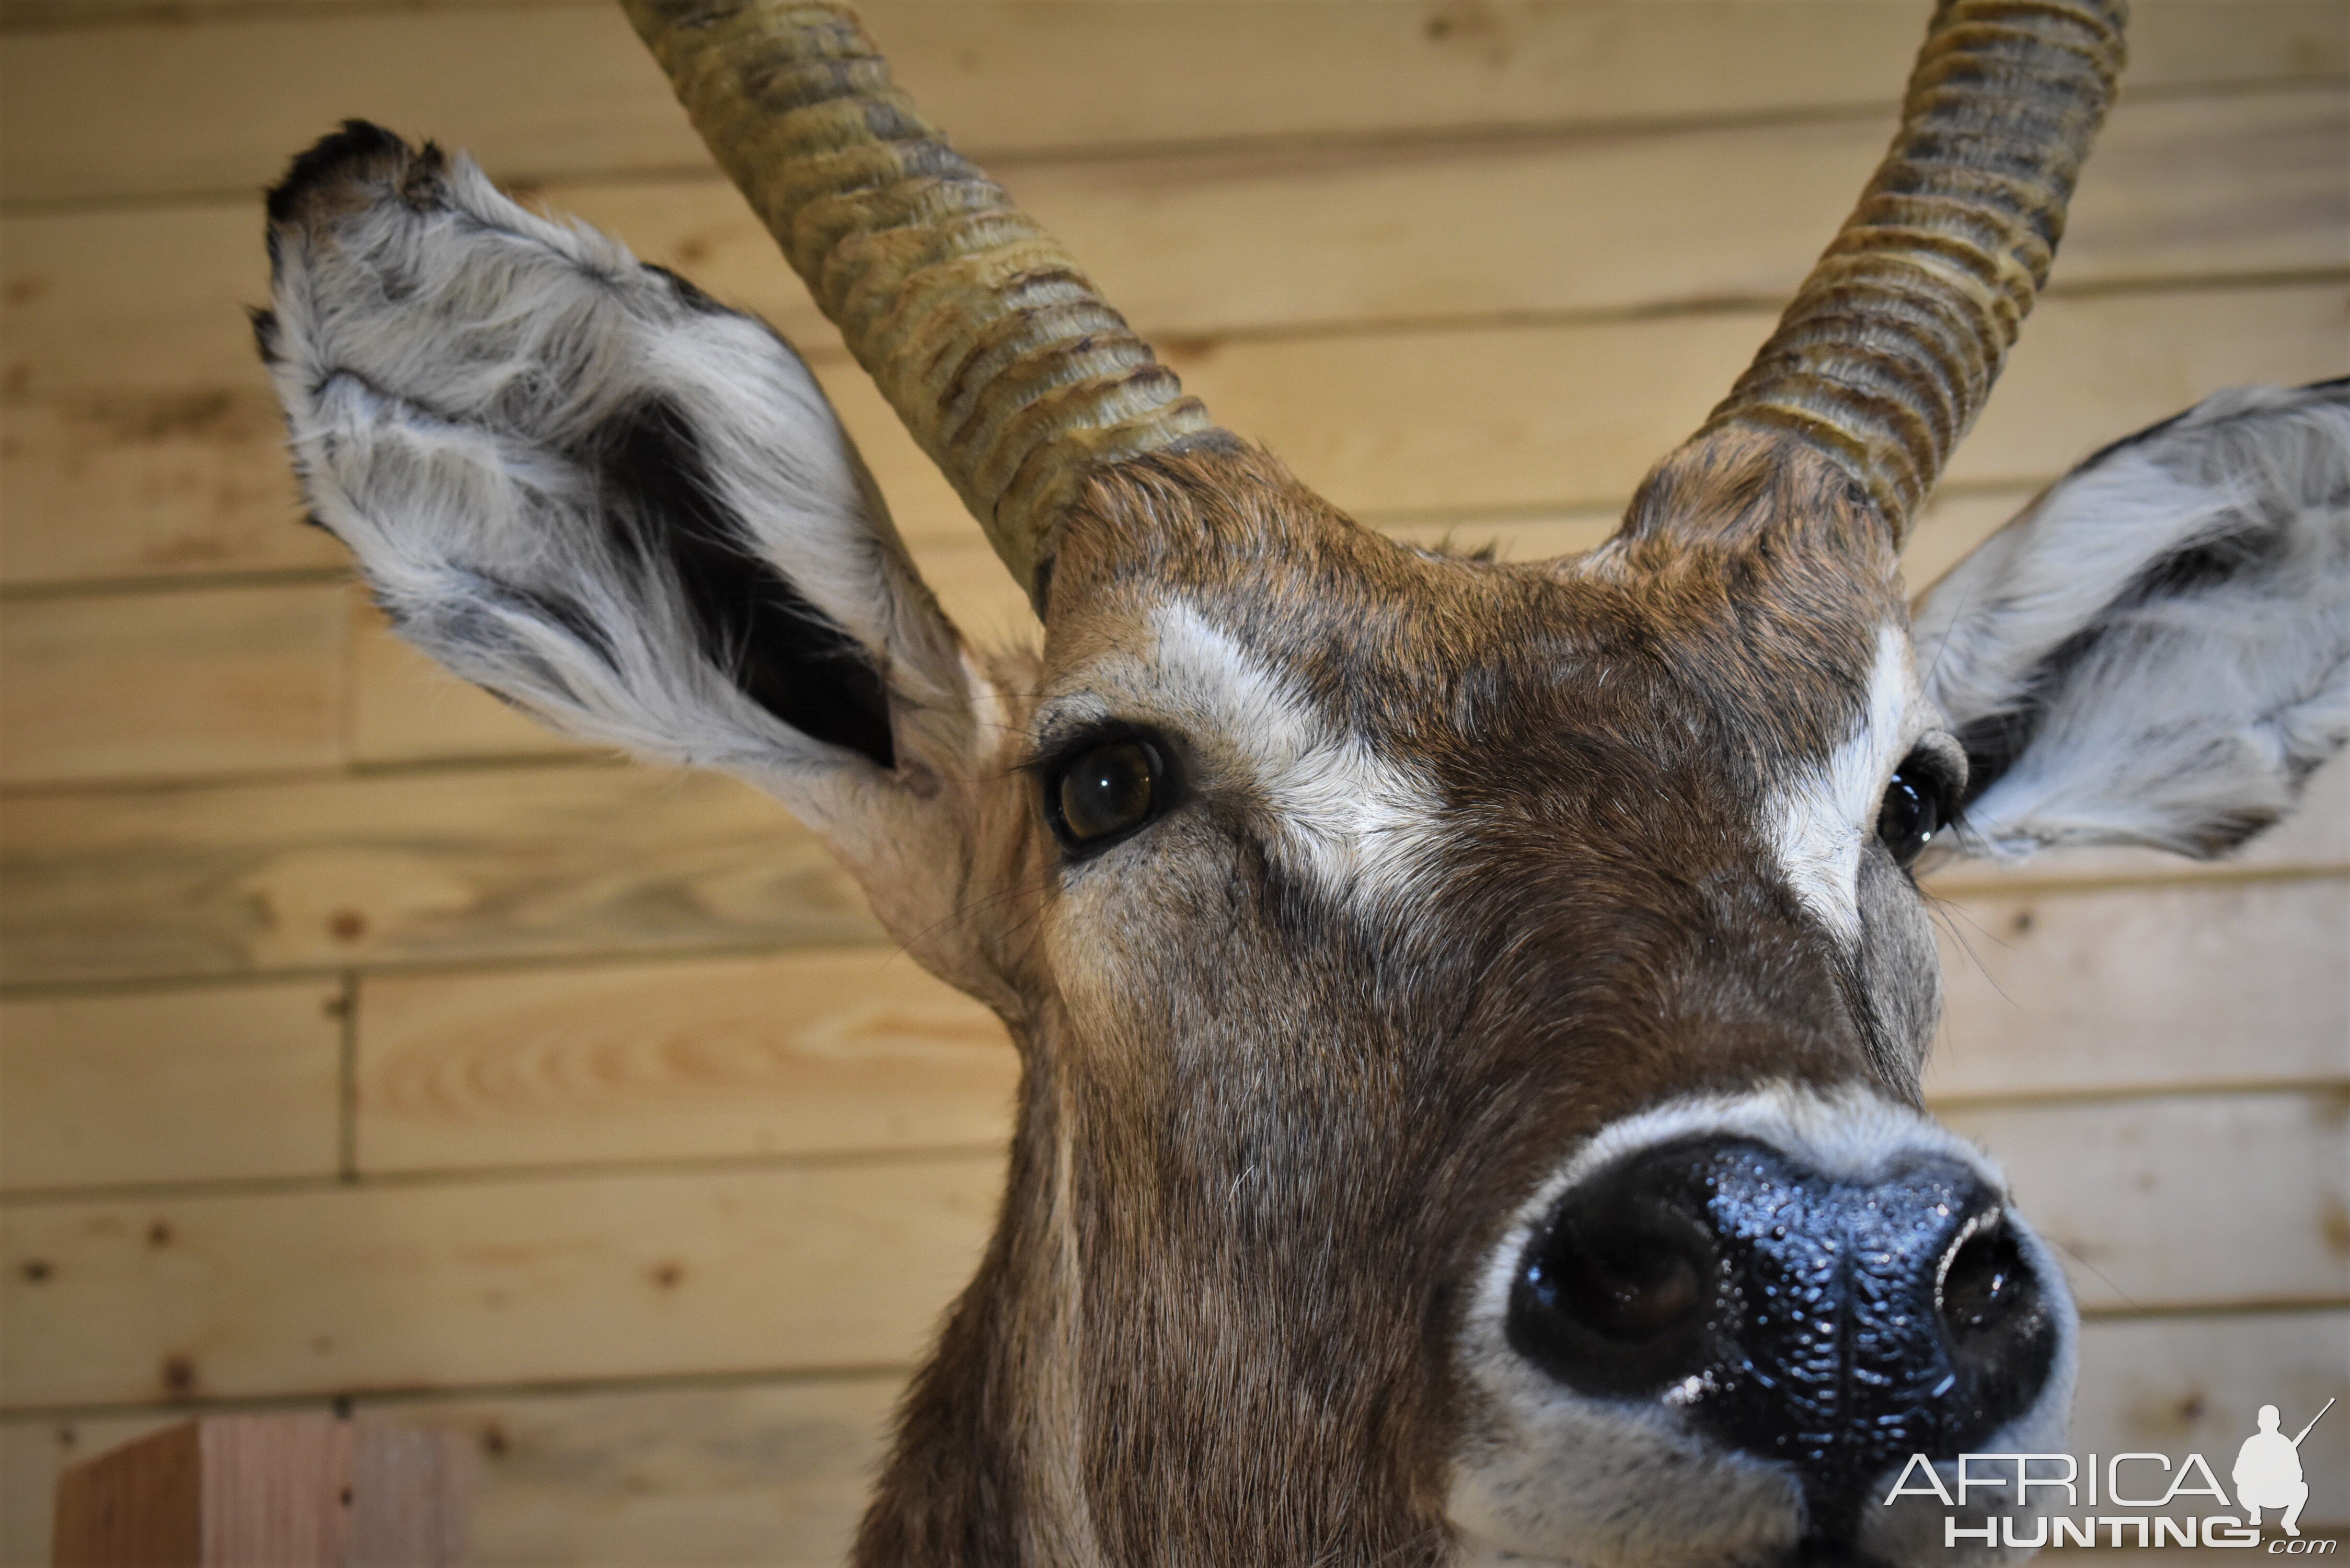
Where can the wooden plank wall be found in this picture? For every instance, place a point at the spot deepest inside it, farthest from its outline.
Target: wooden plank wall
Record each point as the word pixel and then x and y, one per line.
pixel 365 1045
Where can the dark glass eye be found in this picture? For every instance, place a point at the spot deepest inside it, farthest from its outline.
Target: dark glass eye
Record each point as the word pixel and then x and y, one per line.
pixel 1912 813
pixel 1105 791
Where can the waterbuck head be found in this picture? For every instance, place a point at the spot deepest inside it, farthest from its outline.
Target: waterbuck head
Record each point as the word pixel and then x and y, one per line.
pixel 1471 1013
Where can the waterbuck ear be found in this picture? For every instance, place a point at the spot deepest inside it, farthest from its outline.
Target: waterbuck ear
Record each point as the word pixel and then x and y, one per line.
pixel 2158 651
pixel 577 480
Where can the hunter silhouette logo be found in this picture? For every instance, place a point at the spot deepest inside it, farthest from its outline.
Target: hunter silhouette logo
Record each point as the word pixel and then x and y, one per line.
pixel 2268 1471
pixel 2022 1501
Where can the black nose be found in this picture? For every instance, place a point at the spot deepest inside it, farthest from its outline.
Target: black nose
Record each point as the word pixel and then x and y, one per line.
pixel 1840 1325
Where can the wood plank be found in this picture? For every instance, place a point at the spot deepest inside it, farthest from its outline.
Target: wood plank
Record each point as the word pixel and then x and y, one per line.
pixel 292 1491
pixel 2195 1384
pixel 219 1084
pixel 772 1474
pixel 404 708
pixel 1499 418
pixel 171 684
pixel 31 1455
pixel 222 105
pixel 2143 988
pixel 1290 239
pixel 248 878
pixel 1431 424
pixel 474 865
pixel 149 485
pixel 2111 990
pixel 2208 1200
pixel 777 1472
pixel 407 1287
pixel 1191 246
pixel 560 1278
pixel 857 1049
pixel 766 1472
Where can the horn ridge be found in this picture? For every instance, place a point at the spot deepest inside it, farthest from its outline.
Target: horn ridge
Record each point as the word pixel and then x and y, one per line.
pixel 1886 353
pixel 1008 368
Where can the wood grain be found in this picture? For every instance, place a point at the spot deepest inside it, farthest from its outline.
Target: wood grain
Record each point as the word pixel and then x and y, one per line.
pixel 221 106
pixel 288 1492
pixel 1438 425
pixel 819 1051
pixel 109 686
pixel 248 878
pixel 661 1273
pixel 2145 1201
pixel 220 1084
pixel 110 485
pixel 2132 986
pixel 2107 990
pixel 775 1471
pixel 1291 240
pixel 1456 419
pixel 2195 1384
pixel 524 1280
pixel 768 1473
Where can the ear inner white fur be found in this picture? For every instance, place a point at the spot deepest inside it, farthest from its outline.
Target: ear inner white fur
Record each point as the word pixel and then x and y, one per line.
pixel 577 480
pixel 2157 651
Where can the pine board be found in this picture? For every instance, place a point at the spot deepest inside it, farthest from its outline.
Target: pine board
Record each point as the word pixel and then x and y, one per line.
pixel 468 864
pixel 488 864
pixel 150 300
pixel 777 1472
pixel 2130 990
pixel 2146 1201
pixel 807 1052
pixel 2135 988
pixel 150 486
pixel 1438 425
pixel 1456 418
pixel 220 106
pixel 2196 1384
pixel 171 684
pixel 385 1288
pixel 227 1082
pixel 665 1274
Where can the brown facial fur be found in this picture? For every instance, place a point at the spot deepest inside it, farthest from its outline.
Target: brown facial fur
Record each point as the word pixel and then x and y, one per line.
pixel 1267 1127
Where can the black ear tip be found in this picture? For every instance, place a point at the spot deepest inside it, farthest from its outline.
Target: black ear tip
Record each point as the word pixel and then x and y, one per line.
pixel 360 147
pixel 264 332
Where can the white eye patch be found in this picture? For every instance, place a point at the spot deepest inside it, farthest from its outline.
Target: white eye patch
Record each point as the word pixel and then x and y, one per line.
pixel 1359 825
pixel 1817 823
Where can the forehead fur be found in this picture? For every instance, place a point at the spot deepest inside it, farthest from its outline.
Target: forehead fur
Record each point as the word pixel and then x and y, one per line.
pixel 1739 609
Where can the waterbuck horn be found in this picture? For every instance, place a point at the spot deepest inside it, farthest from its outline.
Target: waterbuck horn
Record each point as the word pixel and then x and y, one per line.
pixel 1011 372
pixel 1886 354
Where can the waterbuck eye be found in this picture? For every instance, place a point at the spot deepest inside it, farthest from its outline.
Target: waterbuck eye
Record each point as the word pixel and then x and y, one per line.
pixel 1914 810
pixel 1105 791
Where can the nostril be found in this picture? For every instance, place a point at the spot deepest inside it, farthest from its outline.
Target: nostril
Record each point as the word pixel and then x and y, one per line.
pixel 1625 1285
pixel 1984 1282
pixel 1616 1296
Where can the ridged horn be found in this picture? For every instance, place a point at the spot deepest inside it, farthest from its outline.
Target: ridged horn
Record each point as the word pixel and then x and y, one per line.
pixel 1884 357
pixel 1011 372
